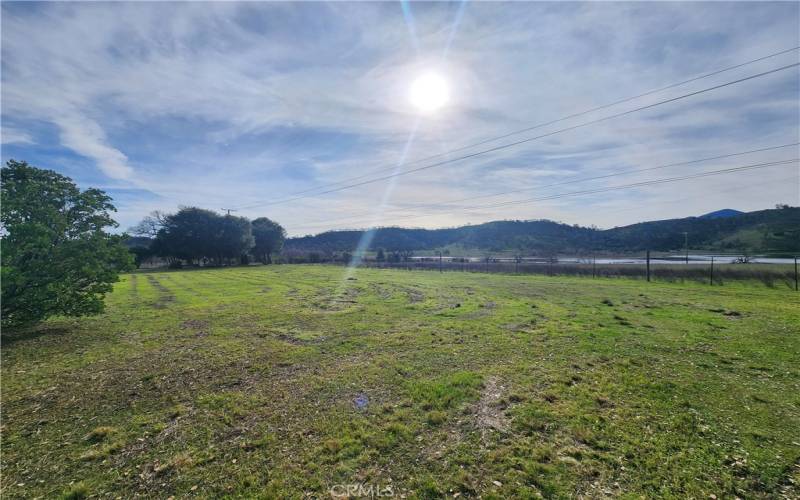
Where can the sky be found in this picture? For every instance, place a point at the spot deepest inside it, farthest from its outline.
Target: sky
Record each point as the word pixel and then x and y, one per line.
pixel 261 107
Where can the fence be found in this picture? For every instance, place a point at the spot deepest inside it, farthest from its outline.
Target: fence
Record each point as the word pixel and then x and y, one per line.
pixel 713 270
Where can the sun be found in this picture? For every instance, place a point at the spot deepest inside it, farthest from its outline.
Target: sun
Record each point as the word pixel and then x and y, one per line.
pixel 429 92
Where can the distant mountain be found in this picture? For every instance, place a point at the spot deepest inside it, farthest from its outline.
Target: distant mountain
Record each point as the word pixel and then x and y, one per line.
pixel 763 231
pixel 719 214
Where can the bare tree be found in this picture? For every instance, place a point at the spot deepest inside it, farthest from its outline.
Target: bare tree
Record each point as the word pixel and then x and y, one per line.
pixel 150 225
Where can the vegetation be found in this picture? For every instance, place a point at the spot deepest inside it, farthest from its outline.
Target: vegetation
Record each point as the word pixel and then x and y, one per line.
pixel 771 275
pixel 283 381
pixel 765 231
pixel 197 236
pixel 269 237
pixel 57 257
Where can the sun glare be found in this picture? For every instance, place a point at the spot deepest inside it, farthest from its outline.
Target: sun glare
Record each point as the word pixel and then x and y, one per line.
pixel 429 92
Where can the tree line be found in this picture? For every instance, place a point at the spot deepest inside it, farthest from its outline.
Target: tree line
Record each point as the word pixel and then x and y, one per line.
pixel 197 236
pixel 765 231
pixel 59 258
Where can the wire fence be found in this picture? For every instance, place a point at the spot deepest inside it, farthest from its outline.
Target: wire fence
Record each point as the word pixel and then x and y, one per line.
pixel 713 270
pixel 773 271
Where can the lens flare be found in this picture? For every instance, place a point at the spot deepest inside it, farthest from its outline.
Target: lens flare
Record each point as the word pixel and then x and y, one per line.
pixel 429 92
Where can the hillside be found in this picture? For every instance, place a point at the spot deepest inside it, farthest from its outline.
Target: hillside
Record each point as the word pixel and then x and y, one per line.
pixel 764 231
pixel 719 214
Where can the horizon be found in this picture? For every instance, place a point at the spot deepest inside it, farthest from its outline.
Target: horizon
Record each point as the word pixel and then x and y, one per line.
pixel 252 107
pixel 365 229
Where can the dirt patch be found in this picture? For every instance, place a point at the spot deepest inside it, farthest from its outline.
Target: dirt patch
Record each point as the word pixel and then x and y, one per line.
pixel 529 326
pixel 195 324
pixel 490 409
pixel 414 296
pixel 483 310
pixel 288 338
pixel 199 326
pixel 728 314
pixel 342 301
pixel 381 291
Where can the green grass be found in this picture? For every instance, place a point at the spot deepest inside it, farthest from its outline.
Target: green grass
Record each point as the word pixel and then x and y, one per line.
pixel 242 382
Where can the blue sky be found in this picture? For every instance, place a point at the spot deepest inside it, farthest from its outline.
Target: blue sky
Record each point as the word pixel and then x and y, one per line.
pixel 243 104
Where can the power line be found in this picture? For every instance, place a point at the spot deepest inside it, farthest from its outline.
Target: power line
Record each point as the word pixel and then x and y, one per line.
pixel 640 184
pixel 529 139
pixel 574 115
pixel 607 189
pixel 611 188
pixel 584 179
pixel 626 172
pixel 528 129
pixel 779 180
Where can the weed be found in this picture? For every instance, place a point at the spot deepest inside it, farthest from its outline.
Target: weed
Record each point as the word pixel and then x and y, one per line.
pixel 436 417
pixel 77 491
pixel 99 434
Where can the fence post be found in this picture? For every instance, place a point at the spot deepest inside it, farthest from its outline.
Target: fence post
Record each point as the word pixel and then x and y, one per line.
pixel 711 277
pixel 594 262
pixel 440 262
pixel 795 274
pixel 648 266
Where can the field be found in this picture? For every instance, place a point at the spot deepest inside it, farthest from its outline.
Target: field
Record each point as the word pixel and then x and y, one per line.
pixel 288 381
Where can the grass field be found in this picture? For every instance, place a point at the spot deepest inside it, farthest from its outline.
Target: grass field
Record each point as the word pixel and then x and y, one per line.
pixel 285 381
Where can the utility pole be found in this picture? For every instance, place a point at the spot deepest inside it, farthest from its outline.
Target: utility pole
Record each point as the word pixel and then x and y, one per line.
pixel 648 266
pixel 440 261
pixel 686 245
pixel 229 210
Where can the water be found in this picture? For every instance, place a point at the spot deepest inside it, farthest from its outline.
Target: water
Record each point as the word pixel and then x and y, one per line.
pixel 693 259
pixel 672 259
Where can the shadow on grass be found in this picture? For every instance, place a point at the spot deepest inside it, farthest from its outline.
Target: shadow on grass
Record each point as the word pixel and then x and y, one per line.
pixel 10 337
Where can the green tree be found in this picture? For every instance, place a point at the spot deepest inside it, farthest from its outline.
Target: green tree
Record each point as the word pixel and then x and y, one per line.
pixel 141 248
pixel 197 235
pixel 57 258
pixel 269 237
pixel 187 235
pixel 233 238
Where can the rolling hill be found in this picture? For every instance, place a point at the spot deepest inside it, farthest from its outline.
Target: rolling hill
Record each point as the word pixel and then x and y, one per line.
pixel 763 231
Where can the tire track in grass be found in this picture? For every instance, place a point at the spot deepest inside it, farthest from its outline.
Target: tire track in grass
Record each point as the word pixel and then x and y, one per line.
pixel 205 282
pixel 183 287
pixel 244 281
pixel 227 278
pixel 259 282
pixel 218 283
pixel 165 296
pixel 133 290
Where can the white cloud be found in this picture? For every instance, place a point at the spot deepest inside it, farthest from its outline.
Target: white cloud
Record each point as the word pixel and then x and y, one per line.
pixel 87 138
pixel 9 135
pixel 211 101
